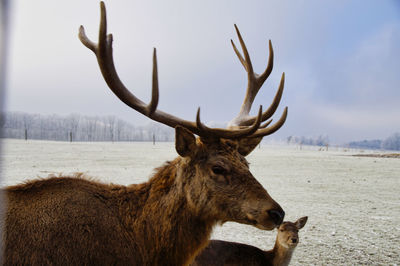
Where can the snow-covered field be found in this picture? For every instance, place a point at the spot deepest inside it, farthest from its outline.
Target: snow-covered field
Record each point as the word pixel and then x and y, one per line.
pixel 353 203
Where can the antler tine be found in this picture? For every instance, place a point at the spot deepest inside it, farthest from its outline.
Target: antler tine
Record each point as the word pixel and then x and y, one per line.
pixel 85 40
pixel 272 108
pixel 151 108
pixel 270 64
pixel 228 133
pixel 266 124
pixel 254 84
pixel 103 52
pixel 269 130
pixel 103 29
pixel 238 54
pixel 246 62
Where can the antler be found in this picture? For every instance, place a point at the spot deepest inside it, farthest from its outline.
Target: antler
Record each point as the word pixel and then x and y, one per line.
pixel 104 55
pixel 254 84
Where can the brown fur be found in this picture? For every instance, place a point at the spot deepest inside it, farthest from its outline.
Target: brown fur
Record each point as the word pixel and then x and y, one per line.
pixel 220 252
pixel 165 221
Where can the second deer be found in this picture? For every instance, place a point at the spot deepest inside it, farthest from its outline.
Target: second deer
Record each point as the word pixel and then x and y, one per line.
pixel 220 252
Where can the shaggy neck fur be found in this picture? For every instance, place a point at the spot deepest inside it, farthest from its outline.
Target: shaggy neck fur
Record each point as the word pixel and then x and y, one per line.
pixel 158 210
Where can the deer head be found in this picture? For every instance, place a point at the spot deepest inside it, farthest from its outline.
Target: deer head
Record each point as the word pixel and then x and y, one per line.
pixel 213 171
pixel 288 233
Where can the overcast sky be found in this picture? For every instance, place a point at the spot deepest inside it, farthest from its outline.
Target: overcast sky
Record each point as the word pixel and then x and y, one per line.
pixel 341 59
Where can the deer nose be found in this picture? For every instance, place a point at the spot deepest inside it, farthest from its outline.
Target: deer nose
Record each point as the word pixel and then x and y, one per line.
pixel 276 216
pixel 294 240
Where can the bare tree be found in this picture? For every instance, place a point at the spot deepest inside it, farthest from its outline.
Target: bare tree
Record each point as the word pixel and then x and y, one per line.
pixel 119 127
pixel 73 123
pixel 392 142
pixel 111 126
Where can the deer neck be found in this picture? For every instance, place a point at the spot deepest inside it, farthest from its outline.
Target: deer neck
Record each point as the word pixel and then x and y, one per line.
pixel 176 233
pixel 281 255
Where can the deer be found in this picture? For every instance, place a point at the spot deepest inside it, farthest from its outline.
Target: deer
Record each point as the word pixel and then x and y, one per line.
pixel 219 252
pixel 75 220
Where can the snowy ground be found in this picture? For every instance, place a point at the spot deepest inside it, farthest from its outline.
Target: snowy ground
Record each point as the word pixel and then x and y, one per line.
pixel 353 203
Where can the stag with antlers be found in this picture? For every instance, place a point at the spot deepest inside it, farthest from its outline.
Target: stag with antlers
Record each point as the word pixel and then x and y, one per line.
pixel 164 221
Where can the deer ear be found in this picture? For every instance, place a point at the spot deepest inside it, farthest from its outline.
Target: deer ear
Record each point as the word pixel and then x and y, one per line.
pixel 247 145
pixel 185 142
pixel 301 222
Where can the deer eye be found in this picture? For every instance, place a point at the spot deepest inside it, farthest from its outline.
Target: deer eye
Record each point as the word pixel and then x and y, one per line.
pixel 219 170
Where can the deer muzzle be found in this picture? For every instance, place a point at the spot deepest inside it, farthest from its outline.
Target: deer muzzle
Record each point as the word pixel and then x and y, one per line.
pixel 266 218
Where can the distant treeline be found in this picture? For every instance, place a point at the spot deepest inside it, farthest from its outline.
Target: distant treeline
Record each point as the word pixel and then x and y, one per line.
pixel 390 143
pixel 322 140
pixel 77 127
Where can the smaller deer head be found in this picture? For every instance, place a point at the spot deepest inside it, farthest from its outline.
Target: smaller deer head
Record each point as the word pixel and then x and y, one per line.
pixel 288 236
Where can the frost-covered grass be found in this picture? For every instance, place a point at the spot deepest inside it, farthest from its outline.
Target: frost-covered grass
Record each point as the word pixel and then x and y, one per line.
pixel 353 203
